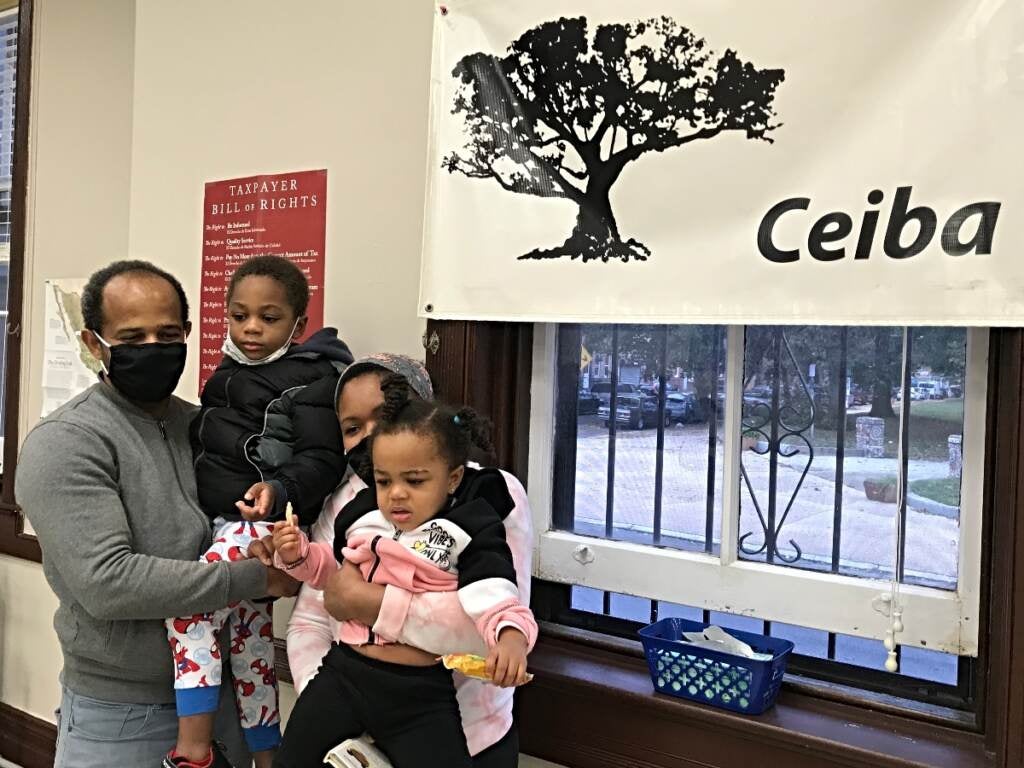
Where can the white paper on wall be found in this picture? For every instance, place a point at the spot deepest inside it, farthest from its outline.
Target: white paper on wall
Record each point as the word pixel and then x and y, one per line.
pixel 68 367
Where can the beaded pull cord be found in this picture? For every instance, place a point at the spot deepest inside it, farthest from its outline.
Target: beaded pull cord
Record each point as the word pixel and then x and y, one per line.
pixel 889 605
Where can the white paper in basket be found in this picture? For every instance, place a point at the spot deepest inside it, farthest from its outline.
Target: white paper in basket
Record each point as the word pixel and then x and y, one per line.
pixel 717 639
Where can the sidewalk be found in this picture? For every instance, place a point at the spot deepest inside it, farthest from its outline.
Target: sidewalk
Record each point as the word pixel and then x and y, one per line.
pixel 867 526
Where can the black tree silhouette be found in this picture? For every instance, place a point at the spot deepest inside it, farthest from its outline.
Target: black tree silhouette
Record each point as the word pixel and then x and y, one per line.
pixel 561 116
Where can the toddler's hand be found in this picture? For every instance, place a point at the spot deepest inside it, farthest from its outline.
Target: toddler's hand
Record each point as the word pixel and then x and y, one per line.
pixel 260 498
pixel 506 663
pixel 288 543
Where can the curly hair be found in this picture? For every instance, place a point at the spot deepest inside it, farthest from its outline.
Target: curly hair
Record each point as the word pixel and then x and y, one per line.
pixel 461 434
pixel 281 270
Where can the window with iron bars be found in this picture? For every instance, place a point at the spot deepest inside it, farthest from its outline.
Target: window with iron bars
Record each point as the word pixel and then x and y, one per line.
pixel 748 476
pixel 8 78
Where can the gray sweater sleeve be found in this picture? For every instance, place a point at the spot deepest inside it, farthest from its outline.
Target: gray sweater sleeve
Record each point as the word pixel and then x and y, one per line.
pixel 71 498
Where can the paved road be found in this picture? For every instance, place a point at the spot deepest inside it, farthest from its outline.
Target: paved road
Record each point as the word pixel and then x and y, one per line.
pixel 931 540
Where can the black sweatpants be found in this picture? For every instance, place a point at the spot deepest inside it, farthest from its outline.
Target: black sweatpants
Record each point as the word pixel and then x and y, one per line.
pixel 411 713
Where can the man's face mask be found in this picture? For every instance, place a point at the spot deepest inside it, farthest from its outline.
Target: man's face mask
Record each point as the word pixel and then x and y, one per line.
pixel 145 373
pixel 359 460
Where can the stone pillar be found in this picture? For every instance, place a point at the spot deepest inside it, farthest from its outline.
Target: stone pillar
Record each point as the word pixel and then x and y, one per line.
pixel 871 436
pixel 956 455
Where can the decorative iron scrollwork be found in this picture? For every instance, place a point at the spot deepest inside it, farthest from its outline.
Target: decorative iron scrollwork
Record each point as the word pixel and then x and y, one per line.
pixel 782 427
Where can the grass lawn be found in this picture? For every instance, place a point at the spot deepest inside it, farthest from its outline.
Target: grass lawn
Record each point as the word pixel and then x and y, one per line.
pixel 931 424
pixel 945 490
pixel 951 409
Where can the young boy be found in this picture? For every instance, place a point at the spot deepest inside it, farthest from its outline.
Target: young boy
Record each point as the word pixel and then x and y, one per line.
pixel 257 447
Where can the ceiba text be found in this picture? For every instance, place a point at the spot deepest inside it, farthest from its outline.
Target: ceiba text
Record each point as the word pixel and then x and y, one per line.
pixel 835 227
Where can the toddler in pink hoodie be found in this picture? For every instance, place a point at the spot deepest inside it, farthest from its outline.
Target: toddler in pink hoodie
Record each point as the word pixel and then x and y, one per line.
pixel 432 525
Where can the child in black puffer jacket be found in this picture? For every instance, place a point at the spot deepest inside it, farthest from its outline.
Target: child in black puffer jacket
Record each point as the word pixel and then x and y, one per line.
pixel 260 442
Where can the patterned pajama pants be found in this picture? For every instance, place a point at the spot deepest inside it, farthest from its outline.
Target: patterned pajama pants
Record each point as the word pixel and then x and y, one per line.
pixel 197 654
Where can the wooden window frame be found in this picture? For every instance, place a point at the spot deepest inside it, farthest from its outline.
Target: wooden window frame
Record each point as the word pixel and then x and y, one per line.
pixel 592 704
pixel 14 540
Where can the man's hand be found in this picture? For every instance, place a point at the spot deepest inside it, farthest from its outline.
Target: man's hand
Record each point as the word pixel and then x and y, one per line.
pixel 506 663
pixel 280 584
pixel 347 596
pixel 258 502
pixel 263 550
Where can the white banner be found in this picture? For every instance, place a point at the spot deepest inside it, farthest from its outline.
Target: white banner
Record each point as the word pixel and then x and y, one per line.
pixel 725 161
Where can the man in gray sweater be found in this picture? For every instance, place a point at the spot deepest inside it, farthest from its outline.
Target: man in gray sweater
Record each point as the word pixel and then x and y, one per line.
pixel 106 482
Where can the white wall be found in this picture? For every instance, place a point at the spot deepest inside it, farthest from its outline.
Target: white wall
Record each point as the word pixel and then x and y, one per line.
pixel 241 87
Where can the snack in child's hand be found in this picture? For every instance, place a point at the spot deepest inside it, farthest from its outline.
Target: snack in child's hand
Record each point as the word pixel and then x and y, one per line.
pixel 470 665
pixel 289 516
pixel 467 663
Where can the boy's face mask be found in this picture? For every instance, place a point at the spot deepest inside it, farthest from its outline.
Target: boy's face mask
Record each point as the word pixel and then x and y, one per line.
pixel 145 373
pixel 235 352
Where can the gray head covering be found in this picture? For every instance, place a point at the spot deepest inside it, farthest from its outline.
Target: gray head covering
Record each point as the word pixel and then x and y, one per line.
pixel 409 369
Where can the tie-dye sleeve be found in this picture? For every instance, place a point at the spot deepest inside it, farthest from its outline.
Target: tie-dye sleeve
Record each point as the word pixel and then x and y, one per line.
pixel 311 630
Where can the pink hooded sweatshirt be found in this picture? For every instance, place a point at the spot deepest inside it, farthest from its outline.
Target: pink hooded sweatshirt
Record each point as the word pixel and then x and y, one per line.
pixel 434 620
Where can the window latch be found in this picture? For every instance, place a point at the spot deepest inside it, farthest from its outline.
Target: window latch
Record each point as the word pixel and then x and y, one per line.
pixel 583 554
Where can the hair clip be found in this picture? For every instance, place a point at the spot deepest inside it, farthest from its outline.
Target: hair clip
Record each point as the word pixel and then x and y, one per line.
pixel 456 419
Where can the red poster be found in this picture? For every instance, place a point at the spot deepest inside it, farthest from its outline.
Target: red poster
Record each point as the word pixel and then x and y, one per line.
pixel 283 214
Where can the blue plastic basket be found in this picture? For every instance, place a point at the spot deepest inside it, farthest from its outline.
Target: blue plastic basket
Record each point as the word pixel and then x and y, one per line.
pixel 711 677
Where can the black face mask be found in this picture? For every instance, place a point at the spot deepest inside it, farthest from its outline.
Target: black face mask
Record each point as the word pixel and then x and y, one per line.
pixel 145 373
pixel 359 460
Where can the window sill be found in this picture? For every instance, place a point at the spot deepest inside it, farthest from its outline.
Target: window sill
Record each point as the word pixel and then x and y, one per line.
pixel 13 539
pixel 591 706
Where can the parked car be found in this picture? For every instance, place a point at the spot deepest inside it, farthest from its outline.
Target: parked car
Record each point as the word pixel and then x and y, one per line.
pixel 750 399
pixel 631 410
pixel 651 390
pixel 858 396
pixel 681 408
pixel 587 402
pixel 603 389
pixel 759 393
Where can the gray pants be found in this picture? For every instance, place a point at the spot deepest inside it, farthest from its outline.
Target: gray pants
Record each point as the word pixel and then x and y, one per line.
pixel 100 734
